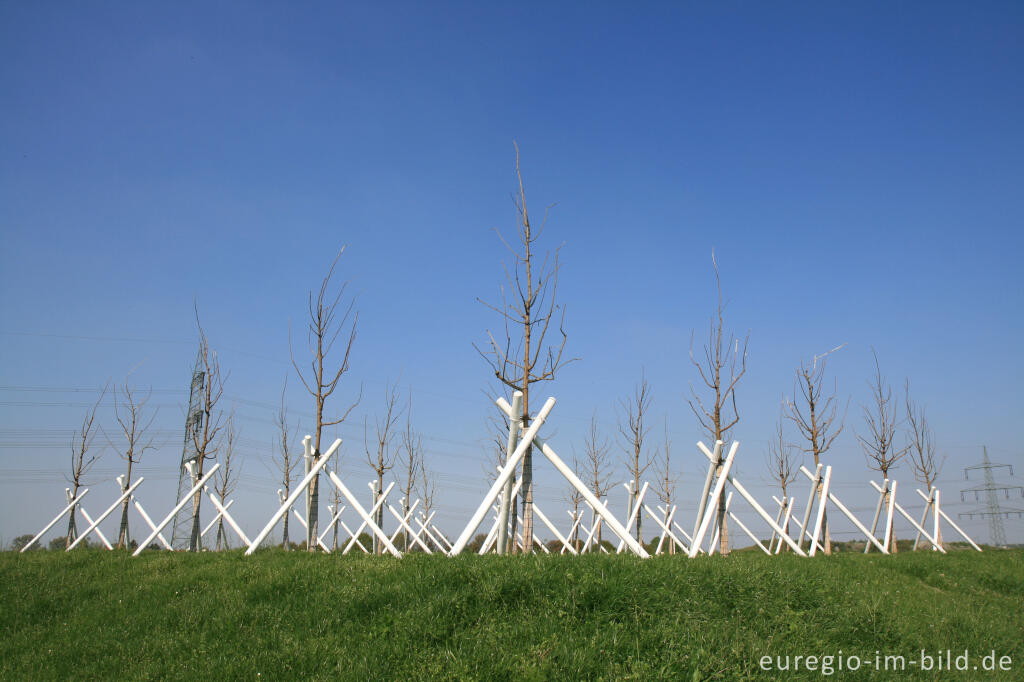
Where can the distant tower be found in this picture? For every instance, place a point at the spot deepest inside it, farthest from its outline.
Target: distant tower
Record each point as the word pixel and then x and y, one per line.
pixel 991 510
pixel 182 531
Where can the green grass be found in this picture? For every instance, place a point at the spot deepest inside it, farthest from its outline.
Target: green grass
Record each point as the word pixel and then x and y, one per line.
pixel 277 615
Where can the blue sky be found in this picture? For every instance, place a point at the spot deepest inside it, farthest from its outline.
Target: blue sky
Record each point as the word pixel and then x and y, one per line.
pixel 856 168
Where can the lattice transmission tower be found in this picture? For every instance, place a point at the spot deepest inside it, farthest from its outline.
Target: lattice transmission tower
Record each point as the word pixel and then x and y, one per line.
pixel 182 531
pixel 992 511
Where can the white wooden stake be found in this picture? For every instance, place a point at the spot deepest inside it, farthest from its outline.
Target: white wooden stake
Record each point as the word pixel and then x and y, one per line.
pixel 515 425
pixel 955 527
pixel 362 513
pixel 878 515
pixel 906 515
pixel 633 516
pixel 299 490
pixel 842 507
pixel 815 482
pixel 105 514
pixel 223 512
pixel 149 522
pixel 822 502
pixel 96 530
pixel 57 518
pixel 712 503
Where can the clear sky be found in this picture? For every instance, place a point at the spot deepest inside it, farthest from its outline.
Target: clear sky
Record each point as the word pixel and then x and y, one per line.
pixel 857 169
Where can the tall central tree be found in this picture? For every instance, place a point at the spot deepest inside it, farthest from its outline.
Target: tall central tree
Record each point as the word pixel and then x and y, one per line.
pixel 322 331
pixel 528 308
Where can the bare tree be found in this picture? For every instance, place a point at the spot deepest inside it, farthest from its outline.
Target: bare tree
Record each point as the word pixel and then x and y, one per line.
pixel 923 461
pixel 524 358
pixel 206 437
pixel 382 458
pixel 922 445
pixel 721 368
pixel 426 485
pixel 129 412
pixel 412 445
pixel 81 461
pixel 782 461
pixel 323 329
pixel 667 482
pixel 286 460
pixel 814 414
pixel 633 430
pixel 597 451
pixel 879 443
pixel 575 499
pixel 226 478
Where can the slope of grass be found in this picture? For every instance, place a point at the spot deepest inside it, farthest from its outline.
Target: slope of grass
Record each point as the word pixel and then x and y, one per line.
pixel 278 615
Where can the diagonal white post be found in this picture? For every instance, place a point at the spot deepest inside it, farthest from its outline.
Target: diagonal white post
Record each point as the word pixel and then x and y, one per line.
pixel 665 528
pixel 57 518
pixel 920 529
pixel 105 514
pixel 924 518
pixel 210 525
pixel 223 509
pixel 299 490
pixel 955 527
pixel 712 502
pixel 633 517
pixel 378 502
pixel 878 515
pixel 404 524
pixel 815 483
pixel 822 502
pixel 708 480
pixel 149 522
pixel 96 530
pixel 750 500
pixel 515 425
pixel 178 507
pixel 358 508
pixel 889 515
pixel 507 472
pixel 544 519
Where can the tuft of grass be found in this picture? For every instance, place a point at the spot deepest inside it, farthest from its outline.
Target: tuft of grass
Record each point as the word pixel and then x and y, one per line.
pixel 281 615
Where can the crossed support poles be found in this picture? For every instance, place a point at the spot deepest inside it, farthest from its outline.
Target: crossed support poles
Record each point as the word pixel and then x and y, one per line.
pixel 332 476
pixel 526 440
pixel 932 506
pixel 887 491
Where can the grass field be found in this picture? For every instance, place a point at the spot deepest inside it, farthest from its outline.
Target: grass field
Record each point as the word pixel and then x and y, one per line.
pixel 278 615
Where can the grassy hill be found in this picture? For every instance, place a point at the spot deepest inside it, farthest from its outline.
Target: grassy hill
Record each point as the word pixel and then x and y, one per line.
pixel 278 615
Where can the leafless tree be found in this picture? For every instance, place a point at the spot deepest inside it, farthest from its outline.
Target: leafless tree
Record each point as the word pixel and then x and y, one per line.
pixel 814 414
pixel 783 461
pixel 528 308
pixel 922 446
pixel 382 457
pixel 287 460
pixel 575 499
pixel 323 328
pixel 81 460
pixel 226 478
pixel 879 442
pixel 426 486
pixel 412 446
pixel 129 411
pixel 666 481
pixel 721 368
pixel 205 438
pixel 632 431
pixel 597 450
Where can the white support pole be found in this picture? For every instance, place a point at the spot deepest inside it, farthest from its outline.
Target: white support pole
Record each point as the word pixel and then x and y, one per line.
pixel 889 515
pixel 633 516
pixel 842 507
pixel 935 526
pixel 665 532
pixel 822 502
pixel 955 527
pixel 785 521
pixel 750 500
pixel 358 508
pixel 712 502
pixel 377 504
pixel 515 425
pixel 423 521
pixel 717 530
pixel 708 480
pixel 299 490
pixel 223 511
pixel 355 540
pixel 105 514
pixel 96 530
pixel 924 518
pixel 149 522
pixel 335 515
pixel 878 515
pixel 57 518
pixel 210 525
pixel 750 534
pixel 507 472
pixel 405 519
pixel 536 540
pixel 576 519
pixel 908 517
pixel 682 531
pixel 305 526
pixel 402 523
pixel 544 519
pixel 815 482
pixel 807 534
